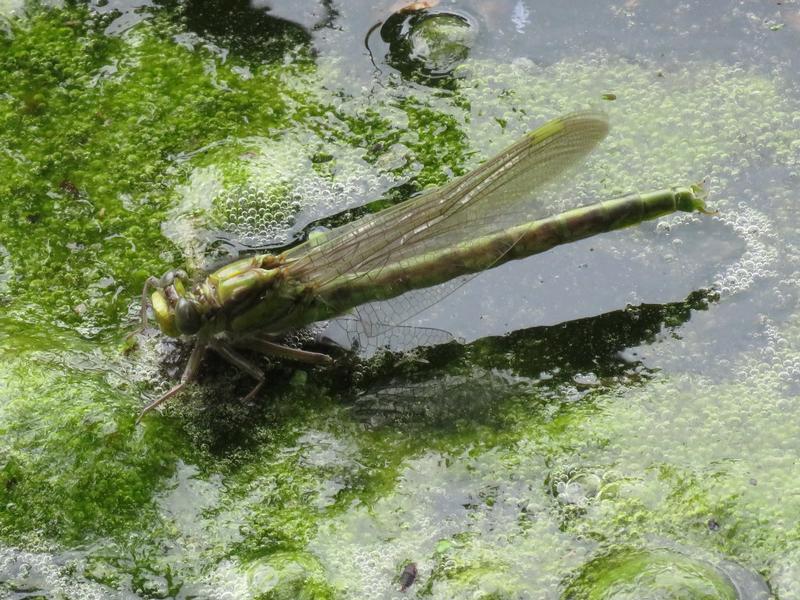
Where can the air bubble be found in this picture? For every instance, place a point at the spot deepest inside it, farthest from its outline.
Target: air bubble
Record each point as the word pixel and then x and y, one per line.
pixel 23 570
pixel 276 196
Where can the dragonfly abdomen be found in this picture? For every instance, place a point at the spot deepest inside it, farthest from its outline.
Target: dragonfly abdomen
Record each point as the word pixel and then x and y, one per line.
pixel 601 217
pixel 510 244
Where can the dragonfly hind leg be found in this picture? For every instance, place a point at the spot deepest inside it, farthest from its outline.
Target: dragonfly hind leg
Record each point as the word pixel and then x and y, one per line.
pixel 236 359
pixel 270 348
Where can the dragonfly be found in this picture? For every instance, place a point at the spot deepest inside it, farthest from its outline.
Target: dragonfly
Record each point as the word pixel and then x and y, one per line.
pixel 476 222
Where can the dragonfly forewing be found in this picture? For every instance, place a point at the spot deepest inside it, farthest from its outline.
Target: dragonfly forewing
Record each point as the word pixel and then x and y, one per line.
pixel 500 193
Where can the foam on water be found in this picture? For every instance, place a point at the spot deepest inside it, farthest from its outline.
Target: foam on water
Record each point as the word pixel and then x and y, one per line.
pixel 762 252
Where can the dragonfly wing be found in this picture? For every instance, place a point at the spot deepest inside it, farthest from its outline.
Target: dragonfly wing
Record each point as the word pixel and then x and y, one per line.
pixel 496 195
pixel 360 333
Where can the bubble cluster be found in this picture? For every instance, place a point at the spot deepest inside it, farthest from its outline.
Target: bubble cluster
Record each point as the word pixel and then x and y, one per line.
pixel 271 191
pixel 259 216
pixel 579 486
pixel 760 257
pixel 50 574
pixel 778 359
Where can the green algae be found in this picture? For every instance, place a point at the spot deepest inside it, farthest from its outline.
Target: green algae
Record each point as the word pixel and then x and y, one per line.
pixel 660 573
pixel 90 126
pixel 120 153
pixel 73 468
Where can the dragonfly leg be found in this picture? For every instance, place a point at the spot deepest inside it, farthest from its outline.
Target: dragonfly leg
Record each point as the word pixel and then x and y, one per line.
pixel 236 359
pixel 150 282
pixel 189 374
pixel 279 350
pixel 252 393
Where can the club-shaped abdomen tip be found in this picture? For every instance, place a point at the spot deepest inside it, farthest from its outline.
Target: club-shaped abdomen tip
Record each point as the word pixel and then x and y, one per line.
pixel 691 199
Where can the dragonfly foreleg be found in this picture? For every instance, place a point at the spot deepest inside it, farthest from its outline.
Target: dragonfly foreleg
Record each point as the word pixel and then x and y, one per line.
pixel 150 282
pixel 236 359
pixel 189 374
pixel 280 351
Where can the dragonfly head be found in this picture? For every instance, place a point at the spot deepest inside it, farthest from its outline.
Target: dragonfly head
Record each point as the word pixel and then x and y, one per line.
pixel 175 310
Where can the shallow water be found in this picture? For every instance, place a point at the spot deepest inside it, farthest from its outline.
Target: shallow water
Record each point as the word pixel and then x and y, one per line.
pixel 619 422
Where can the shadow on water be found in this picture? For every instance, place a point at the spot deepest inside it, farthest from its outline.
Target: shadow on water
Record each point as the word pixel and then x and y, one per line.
pixel 442 387
pixel 439 386
pixel 254 29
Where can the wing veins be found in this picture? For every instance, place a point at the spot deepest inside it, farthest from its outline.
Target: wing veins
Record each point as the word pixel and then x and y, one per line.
pixel 367 239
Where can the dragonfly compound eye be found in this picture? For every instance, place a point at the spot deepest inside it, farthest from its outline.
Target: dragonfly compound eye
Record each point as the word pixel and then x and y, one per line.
pixel 187 319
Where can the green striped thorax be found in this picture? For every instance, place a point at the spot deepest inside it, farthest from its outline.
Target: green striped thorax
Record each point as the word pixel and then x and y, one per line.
pixel 182 309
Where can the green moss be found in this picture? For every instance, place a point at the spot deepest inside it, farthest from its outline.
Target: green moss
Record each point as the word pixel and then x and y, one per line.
pixel 94 128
